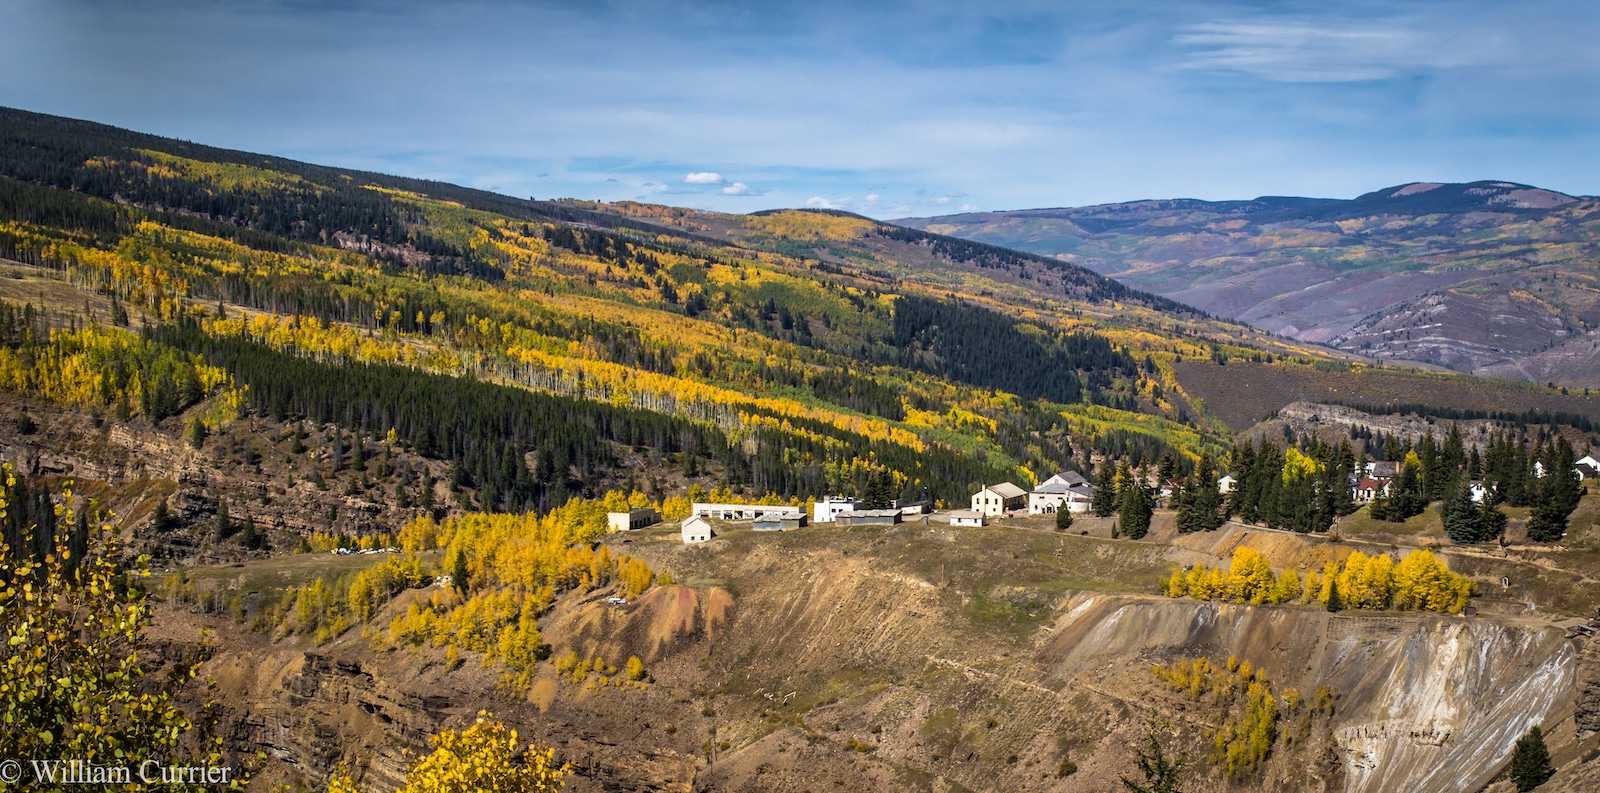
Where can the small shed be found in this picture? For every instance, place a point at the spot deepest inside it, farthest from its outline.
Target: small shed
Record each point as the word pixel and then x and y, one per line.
pixel 696 529
pixel 781 521
pixel 966 517
pixel 632 520
pixel 868 517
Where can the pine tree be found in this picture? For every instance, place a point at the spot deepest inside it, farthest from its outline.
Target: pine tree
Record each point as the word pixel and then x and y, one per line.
pixel 1558 495
pixel 460 577
pixel 1530 761
pixel 1137 505
pixel 1462 521
pixel 197 433
pixel 1167 469
pixel 1104 501
pixel 1063 518
pixel 1335 603
pixel 1491 521
pixel 224 524
pixel 1161 773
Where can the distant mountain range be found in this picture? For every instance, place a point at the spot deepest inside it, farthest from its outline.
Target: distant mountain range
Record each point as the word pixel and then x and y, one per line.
pixel 1493 278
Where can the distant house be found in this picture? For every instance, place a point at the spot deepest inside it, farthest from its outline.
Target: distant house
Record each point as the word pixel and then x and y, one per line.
pixel 1589 460
pixel 1055 495
pixel 1587 471
pixel 696 529
pixel 739 511
pixel 780 521
pixel 1383 469
pixel 868 517
pixel 1370 488
pixel 1480 490
pixel 632 520
pixel 1226 484
pixel 826 510
pixel 999 499
pixel 967 517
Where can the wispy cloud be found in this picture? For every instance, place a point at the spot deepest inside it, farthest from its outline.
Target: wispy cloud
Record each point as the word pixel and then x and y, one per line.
pixel 1011 104
pixel 1314 52
pixel 818 202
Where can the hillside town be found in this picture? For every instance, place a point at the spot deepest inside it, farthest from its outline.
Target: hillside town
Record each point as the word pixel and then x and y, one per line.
pixel 1068 491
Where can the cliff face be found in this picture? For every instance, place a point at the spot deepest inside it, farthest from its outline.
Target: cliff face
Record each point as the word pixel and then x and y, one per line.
pixel 1426 703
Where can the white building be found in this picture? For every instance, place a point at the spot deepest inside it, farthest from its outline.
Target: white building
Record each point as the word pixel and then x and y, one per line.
pixel 740 511
pixel 696 529
pixel 1053 496
pixel 1589 460
pixel 966 517
pixel 1479 490
pixel 826 510
pixel 1226 484
pixel 632 520
pixel 999 499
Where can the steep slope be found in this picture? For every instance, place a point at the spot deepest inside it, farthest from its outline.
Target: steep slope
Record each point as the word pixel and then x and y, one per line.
pixel 1488 277
pixel 917 658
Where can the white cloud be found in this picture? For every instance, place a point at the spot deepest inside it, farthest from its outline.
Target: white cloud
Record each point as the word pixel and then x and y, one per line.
pixel 818 202
pixel 872 198
pixel 704 177
pixel 740 188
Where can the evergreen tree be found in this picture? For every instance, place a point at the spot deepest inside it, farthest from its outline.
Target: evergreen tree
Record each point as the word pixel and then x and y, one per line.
pixel 1530 761
pixel 1138 502
pixel 161 521
pixel 460 577
pixel 1167 469
pixel 878 492
pixel 1199 504
pixel 197 433
pixel 250 537
pixel 1104 501
pixel 1453 456
pixel 1405 492
pixel 1491 521
pixel 1161 773
pixel 1335 603
pixel 224 523
pixel 1558 494
pixel 1462 520
pixel 1063 518
pixel 426 498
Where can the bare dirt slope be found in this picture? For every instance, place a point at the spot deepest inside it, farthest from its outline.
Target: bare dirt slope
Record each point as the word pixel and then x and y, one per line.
pixel 921 658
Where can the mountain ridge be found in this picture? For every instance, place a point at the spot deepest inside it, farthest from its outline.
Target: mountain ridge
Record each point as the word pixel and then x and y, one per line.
pixel 1383 274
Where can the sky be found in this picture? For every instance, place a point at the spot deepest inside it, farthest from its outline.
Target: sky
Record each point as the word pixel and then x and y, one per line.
pixel 888 109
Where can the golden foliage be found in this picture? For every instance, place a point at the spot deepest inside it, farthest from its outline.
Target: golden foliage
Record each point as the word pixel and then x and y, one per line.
pixel 1421 581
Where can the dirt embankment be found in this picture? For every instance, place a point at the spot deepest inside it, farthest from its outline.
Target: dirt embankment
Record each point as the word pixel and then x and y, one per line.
pixel 918 658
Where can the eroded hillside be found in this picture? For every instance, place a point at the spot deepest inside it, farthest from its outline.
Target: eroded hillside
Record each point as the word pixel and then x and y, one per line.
pixel 919 657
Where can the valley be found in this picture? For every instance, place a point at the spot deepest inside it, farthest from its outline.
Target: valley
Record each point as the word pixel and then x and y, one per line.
pixel 367 434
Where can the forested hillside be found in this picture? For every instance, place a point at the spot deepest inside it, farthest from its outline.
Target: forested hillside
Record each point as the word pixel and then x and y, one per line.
pixel 525 342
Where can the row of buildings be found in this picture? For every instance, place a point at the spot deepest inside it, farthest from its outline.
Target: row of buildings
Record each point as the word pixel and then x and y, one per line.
pixel 1068 490
pixel 1375 481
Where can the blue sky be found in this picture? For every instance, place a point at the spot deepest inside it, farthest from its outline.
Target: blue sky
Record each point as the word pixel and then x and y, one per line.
pixel 888 109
